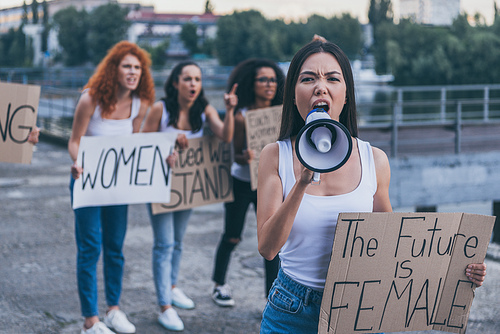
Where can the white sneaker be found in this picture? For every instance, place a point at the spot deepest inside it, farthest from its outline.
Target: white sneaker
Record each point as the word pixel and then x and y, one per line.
pixel 222 296
pixel 118 321
pixel 98 328
pixel 180 300
pixel 170 320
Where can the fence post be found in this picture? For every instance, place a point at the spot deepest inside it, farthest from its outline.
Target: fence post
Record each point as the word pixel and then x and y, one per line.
pixel 486 105
pixel 394 137
pixel 496 228
pixel 458 128
pixel 443 104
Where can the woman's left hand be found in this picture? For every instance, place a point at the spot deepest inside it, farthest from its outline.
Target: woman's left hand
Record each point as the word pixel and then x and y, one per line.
pixel 476 272
pixel 248 155
pixel 172 158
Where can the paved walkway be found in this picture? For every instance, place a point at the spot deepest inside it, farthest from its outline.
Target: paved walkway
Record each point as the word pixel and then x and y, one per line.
pixel 37 262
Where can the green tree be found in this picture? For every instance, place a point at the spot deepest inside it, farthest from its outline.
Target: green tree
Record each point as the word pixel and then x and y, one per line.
pixel 158 53
pixel 346 32
pixel 380 16
pixel 108 25
pixel 208 47
pixel 380 11
pixel 15 52
pixel 34 11
pixel 72 26
pixel 46 26
pixel 25 13
pixel 426 55
pixel 209 8
pixel 189 36
pixel 243 35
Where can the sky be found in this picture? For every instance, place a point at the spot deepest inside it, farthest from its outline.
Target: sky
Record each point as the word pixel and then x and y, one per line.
pixel 286 9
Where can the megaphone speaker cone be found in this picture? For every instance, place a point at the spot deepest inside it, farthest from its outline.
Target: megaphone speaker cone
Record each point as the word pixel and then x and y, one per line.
pixel 323 145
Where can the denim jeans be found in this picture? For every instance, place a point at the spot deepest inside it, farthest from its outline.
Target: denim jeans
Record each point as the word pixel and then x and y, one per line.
pixel 96 227
pixel 235 214
pixel 291 308
pixel 168 232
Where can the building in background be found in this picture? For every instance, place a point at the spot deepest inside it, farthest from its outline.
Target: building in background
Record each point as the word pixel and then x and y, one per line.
pixel 431 12
pixel 147 26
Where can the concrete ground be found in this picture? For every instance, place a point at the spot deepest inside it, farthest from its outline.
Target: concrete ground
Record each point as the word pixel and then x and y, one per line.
pixel 37 262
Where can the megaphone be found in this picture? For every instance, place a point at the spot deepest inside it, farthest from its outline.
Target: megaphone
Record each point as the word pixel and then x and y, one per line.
pixel 323 144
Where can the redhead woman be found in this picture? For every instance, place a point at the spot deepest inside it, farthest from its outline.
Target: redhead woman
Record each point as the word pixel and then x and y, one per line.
pixel 114 102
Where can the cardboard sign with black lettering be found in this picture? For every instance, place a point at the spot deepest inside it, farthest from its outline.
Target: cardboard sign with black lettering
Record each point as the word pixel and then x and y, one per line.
pixel 201 176
pixel 393 272
pixel 18 110
pixel 262 127
pixel 123 169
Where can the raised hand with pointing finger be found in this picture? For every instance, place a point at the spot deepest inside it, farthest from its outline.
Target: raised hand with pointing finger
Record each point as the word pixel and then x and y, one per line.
pixel 231 99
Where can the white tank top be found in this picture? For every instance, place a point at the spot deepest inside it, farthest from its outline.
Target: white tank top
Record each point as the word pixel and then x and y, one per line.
pixel 305 256
pixel 99 126
pixel 241 172
pixel 164 127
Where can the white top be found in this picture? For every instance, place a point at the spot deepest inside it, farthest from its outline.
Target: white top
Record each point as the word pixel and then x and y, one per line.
pixel 99 126
pixel 306 254
pixel 164 127
pixel 241 172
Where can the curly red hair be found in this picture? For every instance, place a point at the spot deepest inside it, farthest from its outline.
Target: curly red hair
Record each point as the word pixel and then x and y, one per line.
pixel 103 83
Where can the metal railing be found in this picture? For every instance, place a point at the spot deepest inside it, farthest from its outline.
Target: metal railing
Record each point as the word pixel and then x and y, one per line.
pixel 452 116
pixel 443 108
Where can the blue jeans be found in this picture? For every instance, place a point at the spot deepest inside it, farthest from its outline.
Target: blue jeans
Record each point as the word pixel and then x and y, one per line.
pixel 168 232
pixel 96 227
pixel 291 308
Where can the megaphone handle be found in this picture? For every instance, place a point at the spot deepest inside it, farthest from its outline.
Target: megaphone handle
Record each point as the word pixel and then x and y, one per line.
pixel 316 179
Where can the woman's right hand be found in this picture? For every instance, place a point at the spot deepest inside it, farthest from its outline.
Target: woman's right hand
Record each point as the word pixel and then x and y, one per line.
pixel 76 170
pixel 306 176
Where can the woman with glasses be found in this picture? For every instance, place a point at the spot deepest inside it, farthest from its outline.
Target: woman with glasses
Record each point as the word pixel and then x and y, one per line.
pixel 260 85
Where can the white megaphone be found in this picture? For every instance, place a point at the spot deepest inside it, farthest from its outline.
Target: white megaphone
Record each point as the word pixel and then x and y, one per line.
pixel 322 145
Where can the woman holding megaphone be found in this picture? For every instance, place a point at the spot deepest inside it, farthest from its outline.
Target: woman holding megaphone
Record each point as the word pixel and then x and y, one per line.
pixel 297 217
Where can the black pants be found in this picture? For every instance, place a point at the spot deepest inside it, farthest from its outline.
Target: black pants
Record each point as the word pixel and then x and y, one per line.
pixel 235 215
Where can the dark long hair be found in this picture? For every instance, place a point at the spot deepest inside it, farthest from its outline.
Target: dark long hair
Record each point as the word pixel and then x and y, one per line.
pixel 291 121
pixel 244 75
pixel 172 103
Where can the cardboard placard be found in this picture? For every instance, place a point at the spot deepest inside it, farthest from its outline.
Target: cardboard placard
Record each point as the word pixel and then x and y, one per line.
pixel 262 127
pixel 393 272
pixel 123 169
pixel 201 176
pixel 18 111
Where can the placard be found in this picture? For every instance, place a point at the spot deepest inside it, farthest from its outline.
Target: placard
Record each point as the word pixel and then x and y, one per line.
pixel 393 272
pixel 18 111
pixel 262 127
pixel 201 176
pixel 123 169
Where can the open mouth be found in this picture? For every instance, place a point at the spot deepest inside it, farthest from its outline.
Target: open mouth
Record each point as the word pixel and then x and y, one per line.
pixel 322 105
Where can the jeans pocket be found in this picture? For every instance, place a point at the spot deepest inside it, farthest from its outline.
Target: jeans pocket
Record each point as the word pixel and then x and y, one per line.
pixel 284 301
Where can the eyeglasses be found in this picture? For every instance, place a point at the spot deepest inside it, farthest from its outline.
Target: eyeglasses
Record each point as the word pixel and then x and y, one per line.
pixel 266 80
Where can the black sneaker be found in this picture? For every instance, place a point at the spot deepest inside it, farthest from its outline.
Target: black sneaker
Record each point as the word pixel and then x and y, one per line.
pixel 222 296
